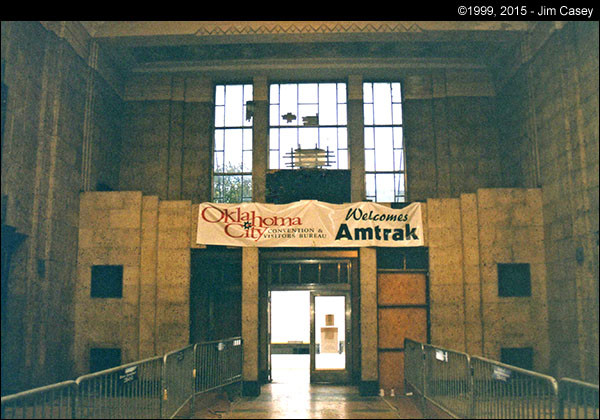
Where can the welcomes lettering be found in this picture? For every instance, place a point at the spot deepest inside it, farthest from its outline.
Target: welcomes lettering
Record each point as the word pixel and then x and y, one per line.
pixel 309 223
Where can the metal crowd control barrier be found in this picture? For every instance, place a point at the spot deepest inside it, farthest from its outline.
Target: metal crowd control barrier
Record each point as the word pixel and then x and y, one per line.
pixel 157 387
pixel 475 387
pixel 219 364
pixel 129 391
pixel 505 391
pixel 49 402
pixel 577 400
pixel 178 380
pixel 447 380
pixel 413 365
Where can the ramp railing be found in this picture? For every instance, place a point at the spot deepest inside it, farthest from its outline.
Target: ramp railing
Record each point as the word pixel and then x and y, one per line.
pixel 158 387
pixel 577 399
pixel 467 386
pixel 54 401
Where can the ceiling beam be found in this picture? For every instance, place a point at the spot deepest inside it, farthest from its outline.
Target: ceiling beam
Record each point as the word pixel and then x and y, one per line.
pixel 151 33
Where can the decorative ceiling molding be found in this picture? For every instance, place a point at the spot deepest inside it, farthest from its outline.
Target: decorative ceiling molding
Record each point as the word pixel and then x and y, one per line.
pixel 293 28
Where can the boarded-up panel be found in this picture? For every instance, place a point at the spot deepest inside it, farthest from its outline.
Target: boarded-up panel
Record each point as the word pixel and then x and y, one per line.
pixel 395 324
pixel 391 371
pixel 402 302
pixel 401 289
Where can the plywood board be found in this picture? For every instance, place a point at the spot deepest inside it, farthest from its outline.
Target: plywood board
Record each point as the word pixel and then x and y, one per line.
pixel 401 289
pixel 395 324
pixel 391 371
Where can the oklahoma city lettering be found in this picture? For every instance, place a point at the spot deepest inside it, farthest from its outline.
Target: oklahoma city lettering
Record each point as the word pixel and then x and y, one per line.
pixel 245 224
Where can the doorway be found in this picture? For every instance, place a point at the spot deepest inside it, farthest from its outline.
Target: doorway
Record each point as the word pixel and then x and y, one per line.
pixel 309 323
pixel 290 336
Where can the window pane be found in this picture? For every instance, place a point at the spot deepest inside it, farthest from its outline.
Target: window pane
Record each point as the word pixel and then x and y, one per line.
pixel 343 138
pixel 219 116
pixel 309 137
pixel 307 111
pixel 247 167
pixel 218 162
pixel 385 188
pixel 220 95
pixel 219 140
pixel 274 160
pixel 327 104
pixel 370 160
pixel 233 150
pixel 288 99
pixel 232 188
pixel 328 138
pixel 342 118
pixel 288 139
pixel 370 181
pixel 247 138
pixel 341 93
pixel 274 117
pixel 397 114
pixel 396 93
pixel 398 139
pixel 308 93
pixel 233 106
pixel 400 187
pixel 248 94
pixel 382 104
pixel 342 159
pixel 247 188
pixel 369 138
pixel 368 92
pixel 274 138
pixel 384 158
pixel 368 114
pixel 274 94
pixel 398 159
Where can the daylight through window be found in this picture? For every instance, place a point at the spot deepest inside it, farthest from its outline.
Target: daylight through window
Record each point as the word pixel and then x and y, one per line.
pixel 308 116
pixel 384 144
pixel 232 166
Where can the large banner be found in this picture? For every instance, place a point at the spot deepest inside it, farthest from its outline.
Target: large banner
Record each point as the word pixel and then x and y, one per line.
pixel 309 223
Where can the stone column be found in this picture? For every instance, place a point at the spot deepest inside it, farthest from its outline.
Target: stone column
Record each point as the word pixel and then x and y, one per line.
pixel 251 385
pixel 369 377
pixel 260 139
pixel 198 130
pixel 356 140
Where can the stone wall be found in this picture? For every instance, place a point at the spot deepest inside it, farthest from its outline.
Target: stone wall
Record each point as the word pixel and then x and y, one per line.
pixel 550 105
pixel 110 233
pixel 450 133
pixel 49 114
pixel 468 237
pixel 168 136
pixel 150 239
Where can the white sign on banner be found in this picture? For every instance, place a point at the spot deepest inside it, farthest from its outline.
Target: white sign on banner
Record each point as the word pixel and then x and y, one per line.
pixel 309 223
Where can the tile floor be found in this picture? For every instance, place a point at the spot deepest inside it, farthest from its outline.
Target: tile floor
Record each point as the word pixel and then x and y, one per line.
pixel 291 396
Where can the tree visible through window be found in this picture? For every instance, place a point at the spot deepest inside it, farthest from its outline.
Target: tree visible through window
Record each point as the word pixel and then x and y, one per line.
pixel 232 166
pixel 384 144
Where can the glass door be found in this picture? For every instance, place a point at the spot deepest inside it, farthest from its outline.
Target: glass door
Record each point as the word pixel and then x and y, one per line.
pixel 330 337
